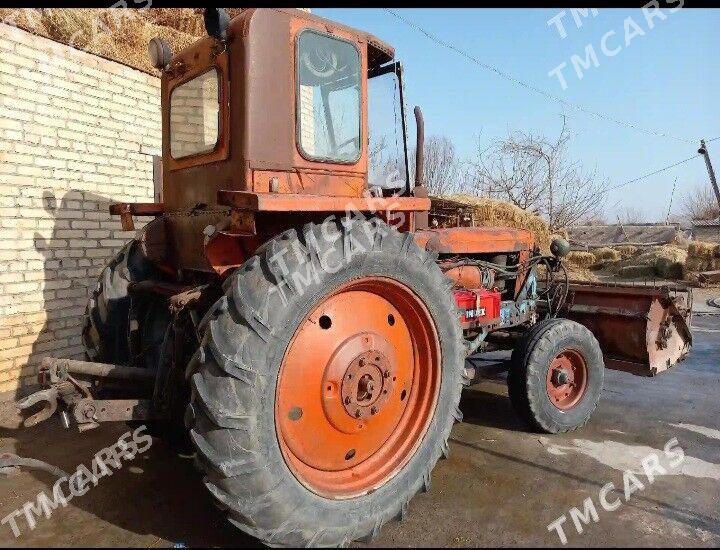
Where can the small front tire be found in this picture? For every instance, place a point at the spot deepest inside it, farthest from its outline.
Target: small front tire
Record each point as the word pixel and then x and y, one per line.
pixel 556 376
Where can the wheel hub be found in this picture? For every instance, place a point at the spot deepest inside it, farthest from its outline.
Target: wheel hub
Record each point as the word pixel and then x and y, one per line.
pixel 567 379
pixel 560 377
pixel 367 384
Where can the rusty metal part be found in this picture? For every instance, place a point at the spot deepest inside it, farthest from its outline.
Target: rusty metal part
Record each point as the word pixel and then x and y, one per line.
pixel 421 219
pixel 286 202
pixel 48 397
pixel 643 330
pixel 76 397
pixel 163 288
pixel 341 435
pixel 88 368
pixel 180 295
pixel 242 222
pixel 566 379
pixel 126 211
pixel 185 236
pixel 474 240
pixel 138 208
pixel 87 411
pixel 226 242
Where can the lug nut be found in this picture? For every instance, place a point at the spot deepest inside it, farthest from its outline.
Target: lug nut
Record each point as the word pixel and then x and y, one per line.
pixel 357 413
pixel 373 410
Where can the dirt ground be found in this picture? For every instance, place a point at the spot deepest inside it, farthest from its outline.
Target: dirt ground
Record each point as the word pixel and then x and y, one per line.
pixel 500 486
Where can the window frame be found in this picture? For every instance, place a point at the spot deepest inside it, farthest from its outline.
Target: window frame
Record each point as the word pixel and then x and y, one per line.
pixel 298 112
pixel 216 146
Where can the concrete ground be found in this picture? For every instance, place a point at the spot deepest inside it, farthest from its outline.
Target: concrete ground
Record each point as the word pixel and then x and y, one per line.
pixel 501 485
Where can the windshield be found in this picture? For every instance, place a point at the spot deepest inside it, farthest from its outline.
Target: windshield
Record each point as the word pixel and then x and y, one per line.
pixel 195 116
pixel 328 98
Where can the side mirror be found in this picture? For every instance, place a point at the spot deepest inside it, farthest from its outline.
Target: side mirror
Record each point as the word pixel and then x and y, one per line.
pixel 160 53
pixel 217 21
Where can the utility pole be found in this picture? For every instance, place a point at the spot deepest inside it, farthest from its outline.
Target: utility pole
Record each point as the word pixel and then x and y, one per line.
pixel 667 218
pixel 704 152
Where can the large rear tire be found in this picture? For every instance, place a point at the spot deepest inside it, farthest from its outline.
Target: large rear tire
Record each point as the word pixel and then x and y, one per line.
pixel 289 446
pixel 556 376
pixel 106 330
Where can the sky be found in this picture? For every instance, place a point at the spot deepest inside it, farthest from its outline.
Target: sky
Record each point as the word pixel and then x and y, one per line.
pixel 663 78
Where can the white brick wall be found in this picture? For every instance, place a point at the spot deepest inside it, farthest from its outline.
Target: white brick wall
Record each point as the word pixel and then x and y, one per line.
pixel 75 130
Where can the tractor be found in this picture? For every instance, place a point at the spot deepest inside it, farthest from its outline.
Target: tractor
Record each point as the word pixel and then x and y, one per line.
pixel 303 331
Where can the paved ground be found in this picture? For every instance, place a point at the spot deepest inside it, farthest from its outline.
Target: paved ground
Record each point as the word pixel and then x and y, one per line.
pixel 500 486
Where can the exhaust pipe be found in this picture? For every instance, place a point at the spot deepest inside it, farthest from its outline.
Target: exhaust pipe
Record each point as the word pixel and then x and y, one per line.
pixel 422 219
pixel 419 147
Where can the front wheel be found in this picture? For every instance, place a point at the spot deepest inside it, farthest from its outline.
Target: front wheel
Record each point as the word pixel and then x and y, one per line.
pixel 556 376
pixel 327 383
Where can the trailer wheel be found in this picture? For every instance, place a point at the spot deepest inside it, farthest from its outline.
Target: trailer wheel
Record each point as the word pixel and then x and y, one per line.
pixel 324 391
pixel 556 376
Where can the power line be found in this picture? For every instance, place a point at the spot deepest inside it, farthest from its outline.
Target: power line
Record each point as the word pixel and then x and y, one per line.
pixel 532 88
pixel 652 173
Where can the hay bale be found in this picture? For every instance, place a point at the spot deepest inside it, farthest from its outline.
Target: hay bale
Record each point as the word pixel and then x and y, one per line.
pixel 636 271
pixel 606 253
pixel 668 260
pixel 118 34
pixel 488 212
pixel 703 256
pixel 577 273
pixel 582 259
pixel 668 269
pixel 627 251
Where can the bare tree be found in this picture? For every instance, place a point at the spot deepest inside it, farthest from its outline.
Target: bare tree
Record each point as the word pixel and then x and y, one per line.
pixel 537 174
pixel 443 170
pixel 597 218
pixel 699 203
pixel 628 215
pixel 385 168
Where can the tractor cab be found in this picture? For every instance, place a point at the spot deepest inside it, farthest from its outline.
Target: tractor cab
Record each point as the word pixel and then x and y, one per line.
pixel 266 120
pixel 276 104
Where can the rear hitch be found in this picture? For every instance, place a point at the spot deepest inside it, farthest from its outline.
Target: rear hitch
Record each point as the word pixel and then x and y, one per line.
pixel 74 399
pixel 47 396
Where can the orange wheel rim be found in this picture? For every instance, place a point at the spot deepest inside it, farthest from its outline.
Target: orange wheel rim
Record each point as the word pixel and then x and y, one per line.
pixel 357 387
pixel 567 379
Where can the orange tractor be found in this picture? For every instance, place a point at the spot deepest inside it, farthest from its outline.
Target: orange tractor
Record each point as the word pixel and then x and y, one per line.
pixel 305 331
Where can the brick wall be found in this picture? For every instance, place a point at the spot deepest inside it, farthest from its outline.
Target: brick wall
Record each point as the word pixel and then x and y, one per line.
pixel 76 133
